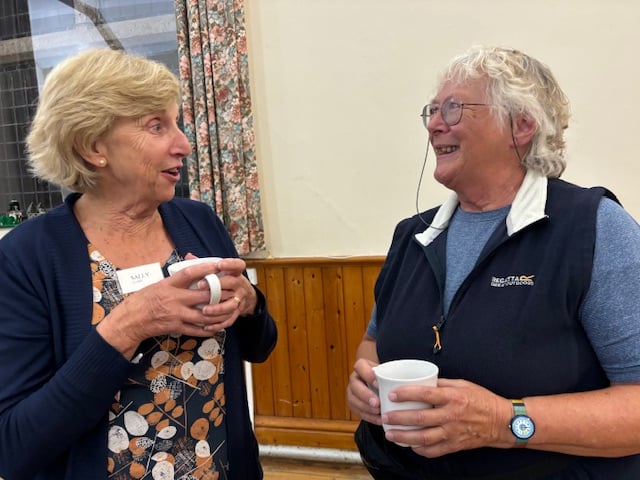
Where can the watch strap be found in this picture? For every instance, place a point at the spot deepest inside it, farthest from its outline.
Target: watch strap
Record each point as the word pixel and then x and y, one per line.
pixel 519 410
pixel 518 407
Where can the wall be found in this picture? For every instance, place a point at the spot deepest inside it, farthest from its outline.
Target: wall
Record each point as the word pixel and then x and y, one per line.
pixel 338 85
pixel 321 307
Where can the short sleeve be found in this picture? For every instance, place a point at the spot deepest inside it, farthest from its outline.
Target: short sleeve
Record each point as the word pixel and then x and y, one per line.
pixel 611 311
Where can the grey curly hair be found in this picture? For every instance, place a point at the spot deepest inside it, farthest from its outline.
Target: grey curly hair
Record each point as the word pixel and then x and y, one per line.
pixel 520 84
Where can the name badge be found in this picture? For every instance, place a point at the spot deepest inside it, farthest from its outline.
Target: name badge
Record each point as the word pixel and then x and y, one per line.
pixel 135 278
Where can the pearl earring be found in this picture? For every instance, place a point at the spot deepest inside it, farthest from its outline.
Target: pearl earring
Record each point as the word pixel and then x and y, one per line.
pixel 102 162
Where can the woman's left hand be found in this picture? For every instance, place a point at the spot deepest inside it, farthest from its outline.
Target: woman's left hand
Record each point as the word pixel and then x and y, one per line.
pixel 238 296
pixel 465 416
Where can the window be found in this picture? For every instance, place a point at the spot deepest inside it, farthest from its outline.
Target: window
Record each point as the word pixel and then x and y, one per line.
pixel 34 36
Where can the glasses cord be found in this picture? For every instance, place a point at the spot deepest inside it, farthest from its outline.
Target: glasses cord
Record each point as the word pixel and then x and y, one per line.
pixel 424 164
pixel 513 138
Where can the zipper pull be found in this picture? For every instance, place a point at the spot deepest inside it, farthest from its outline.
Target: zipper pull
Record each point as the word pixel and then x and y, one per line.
pixel 437 346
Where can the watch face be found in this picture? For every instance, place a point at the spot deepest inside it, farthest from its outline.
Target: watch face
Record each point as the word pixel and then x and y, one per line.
pixel 522 426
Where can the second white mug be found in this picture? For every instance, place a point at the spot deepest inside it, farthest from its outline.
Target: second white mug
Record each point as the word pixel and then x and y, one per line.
pixel 396 373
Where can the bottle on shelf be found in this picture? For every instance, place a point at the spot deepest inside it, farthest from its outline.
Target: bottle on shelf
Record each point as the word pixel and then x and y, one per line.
pixel 14 215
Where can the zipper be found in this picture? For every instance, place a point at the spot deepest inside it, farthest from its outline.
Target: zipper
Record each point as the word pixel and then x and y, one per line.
pixel 437 346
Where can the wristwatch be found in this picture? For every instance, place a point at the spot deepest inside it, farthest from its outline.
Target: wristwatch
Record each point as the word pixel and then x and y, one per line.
pixel 521 424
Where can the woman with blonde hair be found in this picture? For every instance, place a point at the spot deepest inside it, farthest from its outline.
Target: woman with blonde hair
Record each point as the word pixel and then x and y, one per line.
pixel 109 369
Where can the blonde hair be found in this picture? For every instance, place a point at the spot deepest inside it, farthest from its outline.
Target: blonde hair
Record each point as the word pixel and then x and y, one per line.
pixel 81 99
pixel 520 84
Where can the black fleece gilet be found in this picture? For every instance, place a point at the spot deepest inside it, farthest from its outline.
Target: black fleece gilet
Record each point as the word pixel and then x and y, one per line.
pixel 513 325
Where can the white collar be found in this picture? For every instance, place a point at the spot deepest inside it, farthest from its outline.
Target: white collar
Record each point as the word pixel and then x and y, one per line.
pixel 527 208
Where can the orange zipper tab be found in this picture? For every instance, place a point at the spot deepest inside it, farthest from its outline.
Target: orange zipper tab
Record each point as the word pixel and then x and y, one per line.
pixel 437 346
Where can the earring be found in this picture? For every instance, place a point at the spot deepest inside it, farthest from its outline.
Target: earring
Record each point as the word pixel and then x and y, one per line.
pixel 102 162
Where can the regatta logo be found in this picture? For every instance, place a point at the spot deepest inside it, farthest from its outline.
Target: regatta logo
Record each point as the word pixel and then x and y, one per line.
pixel 513 281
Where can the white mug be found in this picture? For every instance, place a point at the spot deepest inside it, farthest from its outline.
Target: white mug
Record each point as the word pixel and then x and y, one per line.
pixel 396 373
pixel 212 279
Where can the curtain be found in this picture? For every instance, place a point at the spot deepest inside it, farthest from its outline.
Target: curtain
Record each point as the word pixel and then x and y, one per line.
pixel 216 110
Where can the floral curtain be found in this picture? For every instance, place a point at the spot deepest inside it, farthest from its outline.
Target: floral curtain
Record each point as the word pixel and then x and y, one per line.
pixel 214 73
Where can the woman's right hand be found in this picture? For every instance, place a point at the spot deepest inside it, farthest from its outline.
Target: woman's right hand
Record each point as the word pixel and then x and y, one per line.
pixel 362 398
pixel 166 307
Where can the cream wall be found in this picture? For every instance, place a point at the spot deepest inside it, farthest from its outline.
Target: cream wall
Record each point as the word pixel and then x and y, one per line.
pixel 337 87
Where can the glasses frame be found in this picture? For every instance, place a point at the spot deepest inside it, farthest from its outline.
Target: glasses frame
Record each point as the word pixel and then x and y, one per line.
pixel 438 108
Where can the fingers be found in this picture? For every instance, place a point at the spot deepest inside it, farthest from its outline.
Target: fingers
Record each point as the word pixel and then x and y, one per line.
pixel 438 396
pixel 192 274
pixel 418 393
pixel 464 417
pixel 193 320
pixel 363 409
pixel 228 266
pixel 238 291
pixel 193 330
pixel 363 368
pixel 232 266
pixel 219 322
pixel 428 442
pixel 237 297
pixel 362 397
pixel 234 284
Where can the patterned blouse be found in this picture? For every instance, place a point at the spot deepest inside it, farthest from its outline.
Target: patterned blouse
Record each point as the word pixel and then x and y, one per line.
pixel 168 421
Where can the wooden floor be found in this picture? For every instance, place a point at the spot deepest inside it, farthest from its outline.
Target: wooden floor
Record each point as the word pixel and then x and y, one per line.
pixel 279 469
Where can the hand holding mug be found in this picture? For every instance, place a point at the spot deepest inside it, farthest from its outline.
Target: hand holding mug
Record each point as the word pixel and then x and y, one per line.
pixel 213 279
pixel 362 394
pixel 397 373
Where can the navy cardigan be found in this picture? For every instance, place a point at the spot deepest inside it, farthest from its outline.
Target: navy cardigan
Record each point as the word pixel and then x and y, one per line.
pixel 58 376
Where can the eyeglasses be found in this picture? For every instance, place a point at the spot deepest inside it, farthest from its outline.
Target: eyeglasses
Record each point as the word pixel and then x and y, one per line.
pixel 450 111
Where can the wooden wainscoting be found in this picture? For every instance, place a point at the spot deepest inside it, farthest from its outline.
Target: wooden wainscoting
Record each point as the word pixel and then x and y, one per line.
pixel 322 307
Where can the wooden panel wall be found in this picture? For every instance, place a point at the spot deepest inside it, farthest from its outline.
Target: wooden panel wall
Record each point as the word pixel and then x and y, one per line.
pixel 322 307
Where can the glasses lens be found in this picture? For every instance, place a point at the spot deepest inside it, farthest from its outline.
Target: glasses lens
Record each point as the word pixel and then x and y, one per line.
pixel 426 114
pixel 451 112
pixel 428 111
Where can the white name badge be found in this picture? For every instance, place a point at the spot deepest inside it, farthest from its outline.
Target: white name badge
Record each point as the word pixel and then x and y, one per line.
pixel 135 278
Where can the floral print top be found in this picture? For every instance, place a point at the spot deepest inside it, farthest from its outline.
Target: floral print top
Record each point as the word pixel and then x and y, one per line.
pixel 168 421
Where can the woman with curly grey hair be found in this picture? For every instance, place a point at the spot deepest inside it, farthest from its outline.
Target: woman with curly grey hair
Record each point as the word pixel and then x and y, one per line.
pixel 521 288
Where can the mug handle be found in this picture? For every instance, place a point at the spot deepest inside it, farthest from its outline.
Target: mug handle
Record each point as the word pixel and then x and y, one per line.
pixel 214 287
